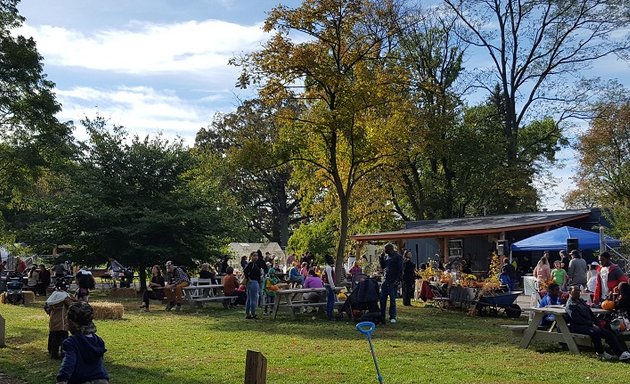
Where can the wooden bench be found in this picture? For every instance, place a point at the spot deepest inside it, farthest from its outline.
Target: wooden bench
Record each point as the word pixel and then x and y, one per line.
pixel 517 329
pixel 293 299
pixel 226 300
pixel 196 295
pixel 552 335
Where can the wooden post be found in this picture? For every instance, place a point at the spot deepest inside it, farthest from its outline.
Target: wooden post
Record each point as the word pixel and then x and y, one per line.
pixel 2 332
pixel 255 368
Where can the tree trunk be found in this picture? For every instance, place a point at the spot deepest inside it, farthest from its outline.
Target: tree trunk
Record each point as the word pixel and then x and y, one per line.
pixel 343 234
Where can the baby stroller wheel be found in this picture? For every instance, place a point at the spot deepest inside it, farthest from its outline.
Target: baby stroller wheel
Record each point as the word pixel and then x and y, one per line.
pixel 16 298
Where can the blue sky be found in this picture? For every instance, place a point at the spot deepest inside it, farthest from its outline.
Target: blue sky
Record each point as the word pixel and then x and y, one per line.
pixel 161 65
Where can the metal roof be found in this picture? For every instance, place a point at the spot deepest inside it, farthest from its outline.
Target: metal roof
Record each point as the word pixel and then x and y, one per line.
pixel 470 226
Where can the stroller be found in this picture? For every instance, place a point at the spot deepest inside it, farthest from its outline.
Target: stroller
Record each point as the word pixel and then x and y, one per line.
pixel 363 300
pixel 14 294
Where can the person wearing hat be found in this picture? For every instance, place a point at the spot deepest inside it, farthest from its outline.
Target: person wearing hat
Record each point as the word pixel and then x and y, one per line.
pixel 84 350
pixel 577 269
pixel 56 307
pixel 86 281
pixel 174 289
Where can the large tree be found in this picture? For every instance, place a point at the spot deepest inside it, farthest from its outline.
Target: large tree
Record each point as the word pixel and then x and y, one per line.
pixel 603 177
pixel 423 172
pixel 132 199
pixel 536 49
pixel 254 169
pixel 32 140
pixel 335 67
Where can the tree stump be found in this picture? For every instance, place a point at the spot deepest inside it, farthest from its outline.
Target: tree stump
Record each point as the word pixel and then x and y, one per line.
pixel 255 368
pixel 2 332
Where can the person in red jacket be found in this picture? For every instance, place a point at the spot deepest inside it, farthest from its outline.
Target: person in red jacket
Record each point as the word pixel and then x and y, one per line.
pixel 609 275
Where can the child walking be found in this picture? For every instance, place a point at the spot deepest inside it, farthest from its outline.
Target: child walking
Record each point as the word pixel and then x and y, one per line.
pixel 84 350
pixel 559 275
pixel 57 308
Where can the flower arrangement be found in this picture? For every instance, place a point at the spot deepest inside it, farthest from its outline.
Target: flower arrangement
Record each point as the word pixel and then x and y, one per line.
pixel 428 273
pixel 492 283
pixel 468 280
pixel 544 284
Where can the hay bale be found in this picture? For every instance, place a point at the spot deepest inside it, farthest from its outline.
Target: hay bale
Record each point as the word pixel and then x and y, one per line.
pixel 123 292
pixel 3 297
pixel 29 297
pixel 105 310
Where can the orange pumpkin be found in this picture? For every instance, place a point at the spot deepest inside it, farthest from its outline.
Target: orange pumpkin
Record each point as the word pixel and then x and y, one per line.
pixel 273 288
pixel 608 305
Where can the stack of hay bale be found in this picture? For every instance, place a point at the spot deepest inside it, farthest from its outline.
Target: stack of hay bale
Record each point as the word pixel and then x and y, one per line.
pixel 105 310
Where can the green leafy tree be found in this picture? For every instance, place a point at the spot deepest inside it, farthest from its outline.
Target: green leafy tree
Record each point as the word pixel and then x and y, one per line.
pixel 424 174
pixel 603 177
pixel 339 75
pixel 253 168
pixel 32 140
pixel 132 199
pixel 317 237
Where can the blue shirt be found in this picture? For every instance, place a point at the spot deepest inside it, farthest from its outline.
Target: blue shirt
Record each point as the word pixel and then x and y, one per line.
pixel 82 359
pixel 548 300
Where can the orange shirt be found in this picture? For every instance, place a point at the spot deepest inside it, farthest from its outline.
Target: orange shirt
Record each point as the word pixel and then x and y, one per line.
pixel 230 284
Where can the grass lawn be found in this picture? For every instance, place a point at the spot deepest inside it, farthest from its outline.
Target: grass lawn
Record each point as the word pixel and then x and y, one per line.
pixel 209 345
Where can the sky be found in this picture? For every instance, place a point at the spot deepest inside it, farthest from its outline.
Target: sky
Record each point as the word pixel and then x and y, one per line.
pixel 161 65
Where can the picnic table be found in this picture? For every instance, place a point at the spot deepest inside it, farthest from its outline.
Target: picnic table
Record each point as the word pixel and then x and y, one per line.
pixel 292 298
pixel 199 294
pixel 564 335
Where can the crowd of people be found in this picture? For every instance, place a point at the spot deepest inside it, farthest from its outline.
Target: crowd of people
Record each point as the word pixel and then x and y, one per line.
pixel 72 334
pixel 254 285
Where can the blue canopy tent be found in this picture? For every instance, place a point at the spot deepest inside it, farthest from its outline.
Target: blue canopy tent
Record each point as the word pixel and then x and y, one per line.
pixel 556 240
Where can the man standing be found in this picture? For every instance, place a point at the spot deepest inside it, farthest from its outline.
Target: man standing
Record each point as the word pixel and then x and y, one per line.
pixel 392 265
pixel 609 275
pixel 577 269
pixel 409 278
pixel 178 280
pixel 564 260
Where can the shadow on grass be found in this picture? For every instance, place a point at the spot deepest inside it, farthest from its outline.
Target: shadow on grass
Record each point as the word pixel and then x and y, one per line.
pixel 24 334
pixel 127 374
pixel 453 327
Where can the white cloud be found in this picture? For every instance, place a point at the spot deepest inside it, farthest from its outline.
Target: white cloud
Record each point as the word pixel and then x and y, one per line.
pixel 147 48
pixel 142 110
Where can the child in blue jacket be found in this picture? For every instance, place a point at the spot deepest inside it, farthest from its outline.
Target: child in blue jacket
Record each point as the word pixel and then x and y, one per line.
pixel 84 350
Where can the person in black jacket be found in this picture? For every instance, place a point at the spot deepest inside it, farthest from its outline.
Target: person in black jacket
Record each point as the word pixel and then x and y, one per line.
pixel 409 278
pixel 254 280
pixel 392 264
pixel 582 321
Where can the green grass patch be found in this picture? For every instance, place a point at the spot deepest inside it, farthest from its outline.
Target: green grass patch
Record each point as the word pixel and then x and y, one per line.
pixel 209 345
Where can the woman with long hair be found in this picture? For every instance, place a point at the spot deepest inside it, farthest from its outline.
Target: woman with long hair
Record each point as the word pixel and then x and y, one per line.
pixel 157 288
pixel 542 271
